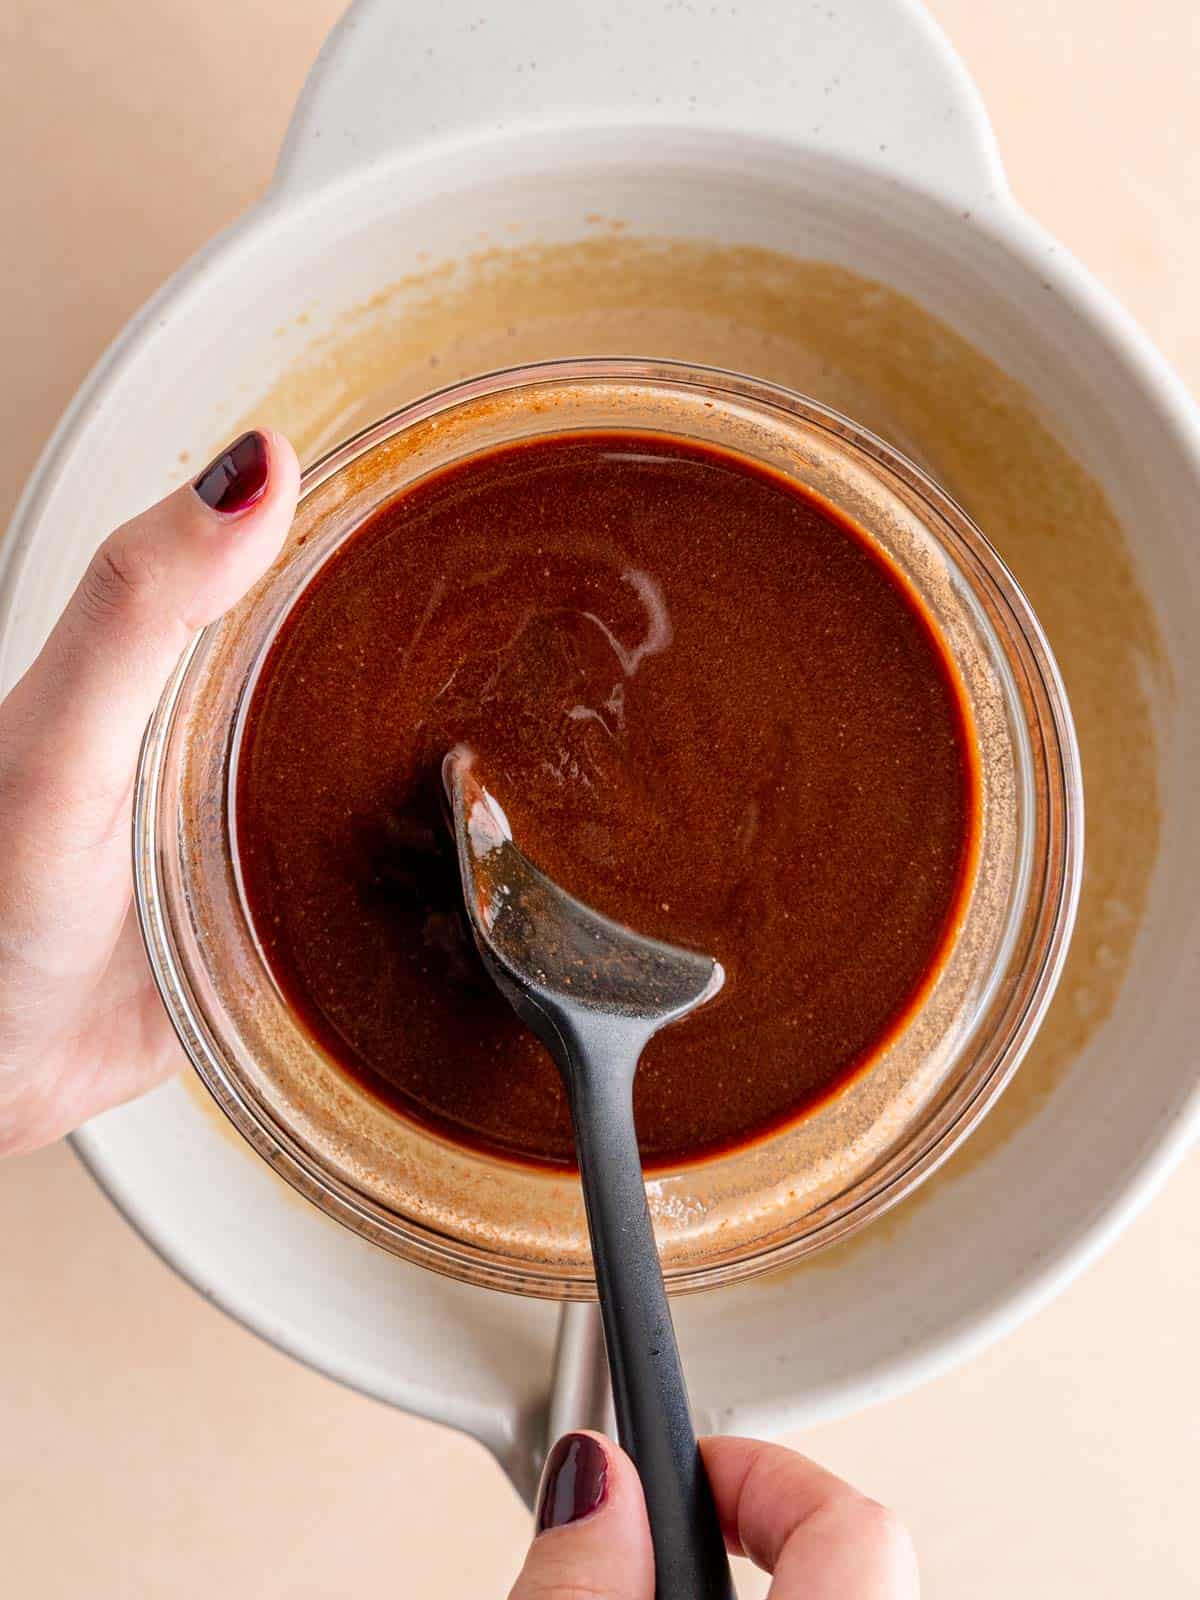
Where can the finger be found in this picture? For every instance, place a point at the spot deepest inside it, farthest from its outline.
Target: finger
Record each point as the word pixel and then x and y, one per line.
pixel 820 1537
pixel 72 726
pixel 592 1536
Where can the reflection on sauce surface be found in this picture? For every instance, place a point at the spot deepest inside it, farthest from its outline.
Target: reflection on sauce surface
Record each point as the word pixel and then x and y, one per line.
pixel 708 708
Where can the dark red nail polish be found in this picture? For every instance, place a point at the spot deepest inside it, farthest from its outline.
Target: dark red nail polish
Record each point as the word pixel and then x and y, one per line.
pixel 238 476
pixel 574 1483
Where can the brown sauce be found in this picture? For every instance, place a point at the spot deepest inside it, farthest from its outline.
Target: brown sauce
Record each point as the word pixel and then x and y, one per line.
pixel 709 708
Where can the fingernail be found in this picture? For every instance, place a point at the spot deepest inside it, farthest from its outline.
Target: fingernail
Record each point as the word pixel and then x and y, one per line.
pixel 237 478
pixel 574 1482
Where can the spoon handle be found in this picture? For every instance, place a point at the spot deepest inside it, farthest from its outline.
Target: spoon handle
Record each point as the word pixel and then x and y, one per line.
pixel 653 1419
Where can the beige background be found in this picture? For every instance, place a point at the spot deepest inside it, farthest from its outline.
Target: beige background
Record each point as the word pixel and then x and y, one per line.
pixel 150 1446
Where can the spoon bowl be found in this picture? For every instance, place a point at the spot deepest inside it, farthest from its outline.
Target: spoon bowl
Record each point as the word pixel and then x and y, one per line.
pixel 552 956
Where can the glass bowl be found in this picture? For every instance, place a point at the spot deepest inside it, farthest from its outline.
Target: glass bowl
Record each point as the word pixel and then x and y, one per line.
pixel 500 1223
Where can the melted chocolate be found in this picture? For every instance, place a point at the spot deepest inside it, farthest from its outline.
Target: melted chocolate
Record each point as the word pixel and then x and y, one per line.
pixel 709 708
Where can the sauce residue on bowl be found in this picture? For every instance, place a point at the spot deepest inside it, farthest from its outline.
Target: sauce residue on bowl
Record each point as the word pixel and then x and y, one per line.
pixel 711 708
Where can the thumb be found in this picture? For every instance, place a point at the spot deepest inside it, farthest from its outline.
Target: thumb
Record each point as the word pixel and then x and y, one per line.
pixel 76 719
pixel 592 1540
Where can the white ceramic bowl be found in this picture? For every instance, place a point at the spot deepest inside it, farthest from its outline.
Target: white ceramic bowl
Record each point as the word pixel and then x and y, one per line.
pixel 417 131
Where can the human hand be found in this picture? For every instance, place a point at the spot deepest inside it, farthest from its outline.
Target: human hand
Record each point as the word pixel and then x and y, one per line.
pixel 820 1538
pixel 81 1025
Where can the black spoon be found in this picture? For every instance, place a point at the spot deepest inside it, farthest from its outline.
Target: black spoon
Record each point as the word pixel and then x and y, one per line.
pixel 596 993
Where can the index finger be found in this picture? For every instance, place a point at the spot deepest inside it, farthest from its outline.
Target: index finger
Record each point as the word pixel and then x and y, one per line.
pixel 820 1537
